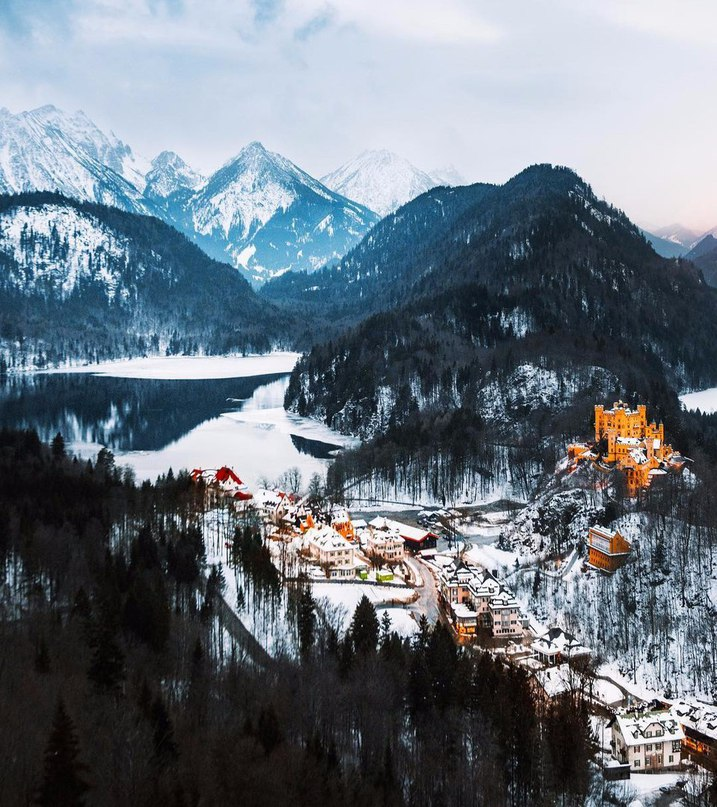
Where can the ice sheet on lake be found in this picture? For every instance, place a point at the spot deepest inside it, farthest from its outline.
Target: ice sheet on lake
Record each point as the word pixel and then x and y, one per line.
pixel 177 368
pixel 705 400
pixel 289 423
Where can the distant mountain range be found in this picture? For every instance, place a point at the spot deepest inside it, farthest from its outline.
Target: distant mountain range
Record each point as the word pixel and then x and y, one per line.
pixel 259 211
pixel 675 241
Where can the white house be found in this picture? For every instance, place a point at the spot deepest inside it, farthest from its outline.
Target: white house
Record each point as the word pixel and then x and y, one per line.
pixel 557 645
pixel 648 740
pixel 331 551
pixel 388 546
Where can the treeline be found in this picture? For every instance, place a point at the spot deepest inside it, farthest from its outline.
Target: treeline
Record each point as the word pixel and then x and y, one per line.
pixel 119 684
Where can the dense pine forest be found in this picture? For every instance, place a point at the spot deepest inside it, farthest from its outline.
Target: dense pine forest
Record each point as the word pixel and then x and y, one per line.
pixel 122 682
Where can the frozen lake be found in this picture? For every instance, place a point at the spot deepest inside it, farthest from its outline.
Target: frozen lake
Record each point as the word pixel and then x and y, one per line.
pixel 178 412
pixel 705 400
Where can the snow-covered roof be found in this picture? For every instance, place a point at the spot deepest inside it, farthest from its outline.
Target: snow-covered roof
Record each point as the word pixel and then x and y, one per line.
pixel 268 498
pixel 638 455
pixel 638 728
pixel 458 572
pixel 557 640
pixel 406 532
pixel 326 538
pixel 463 611
pixel 697 716
pixel 629 441
pixel 504 599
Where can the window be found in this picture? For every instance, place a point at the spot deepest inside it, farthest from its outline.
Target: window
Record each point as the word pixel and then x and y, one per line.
pixel 637 763
pixel 648 747
pixel 676 746
pixel 669 759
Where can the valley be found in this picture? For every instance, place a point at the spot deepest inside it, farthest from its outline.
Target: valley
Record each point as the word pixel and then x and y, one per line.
pixel 424 464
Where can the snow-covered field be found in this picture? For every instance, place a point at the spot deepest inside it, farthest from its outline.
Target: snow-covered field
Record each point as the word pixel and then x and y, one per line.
pixel 347 595
pixel 705 400
pixel 190 367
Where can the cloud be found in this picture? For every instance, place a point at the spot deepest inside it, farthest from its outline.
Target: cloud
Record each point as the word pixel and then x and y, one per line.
pixel 692 21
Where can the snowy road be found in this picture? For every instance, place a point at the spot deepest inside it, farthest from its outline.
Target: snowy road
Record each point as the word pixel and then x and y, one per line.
pixel 427 602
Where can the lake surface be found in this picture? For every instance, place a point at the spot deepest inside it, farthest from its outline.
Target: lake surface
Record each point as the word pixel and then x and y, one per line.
pixel 154 423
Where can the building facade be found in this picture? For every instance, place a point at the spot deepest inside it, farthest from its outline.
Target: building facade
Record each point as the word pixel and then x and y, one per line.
pixel 607 549
pixel 649 740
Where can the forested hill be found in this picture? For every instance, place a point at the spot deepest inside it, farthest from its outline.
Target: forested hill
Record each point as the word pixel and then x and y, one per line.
pixel 382 269
pixel 84 281
pixel 537 273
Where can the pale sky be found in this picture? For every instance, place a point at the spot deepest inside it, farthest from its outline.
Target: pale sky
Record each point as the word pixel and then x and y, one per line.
pixel 623 91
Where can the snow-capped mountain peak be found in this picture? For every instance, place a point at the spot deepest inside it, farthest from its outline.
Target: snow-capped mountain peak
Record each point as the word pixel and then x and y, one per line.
pixel 47 149
pixel 380 180
pixel 272 216
pixel 168 174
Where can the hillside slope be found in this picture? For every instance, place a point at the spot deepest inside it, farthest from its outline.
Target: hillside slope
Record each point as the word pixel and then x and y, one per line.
pixel 536 273
pixel 84 281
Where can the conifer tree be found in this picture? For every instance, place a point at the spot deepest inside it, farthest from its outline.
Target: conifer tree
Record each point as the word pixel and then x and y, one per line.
pixel 364 627
pixel 306 621
pixel 107 668
pixel 63 783
pixel 58 446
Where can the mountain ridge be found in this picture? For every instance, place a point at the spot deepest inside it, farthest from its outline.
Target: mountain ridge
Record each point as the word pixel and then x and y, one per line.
pixel 307 225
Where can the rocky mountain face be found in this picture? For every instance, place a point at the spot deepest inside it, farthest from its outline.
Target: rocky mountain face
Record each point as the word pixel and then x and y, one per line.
pixel 49 150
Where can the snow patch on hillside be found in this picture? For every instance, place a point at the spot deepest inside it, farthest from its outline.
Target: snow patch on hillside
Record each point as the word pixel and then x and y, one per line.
pixel 56 247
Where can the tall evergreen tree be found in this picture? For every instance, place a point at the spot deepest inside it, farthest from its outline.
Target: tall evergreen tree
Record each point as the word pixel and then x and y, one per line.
pixel 364 627
pixel 63 783
pixel 306 621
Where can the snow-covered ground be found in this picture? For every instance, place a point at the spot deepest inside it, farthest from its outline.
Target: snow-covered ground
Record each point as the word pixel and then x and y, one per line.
pixel 190 367
pixel 705 400
pixel 490 557
pixel 346 596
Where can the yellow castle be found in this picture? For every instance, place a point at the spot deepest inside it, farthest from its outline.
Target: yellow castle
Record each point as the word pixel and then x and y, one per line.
pixel 625 440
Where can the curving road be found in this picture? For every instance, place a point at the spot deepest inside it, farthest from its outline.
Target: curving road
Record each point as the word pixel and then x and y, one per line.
pixel 427 602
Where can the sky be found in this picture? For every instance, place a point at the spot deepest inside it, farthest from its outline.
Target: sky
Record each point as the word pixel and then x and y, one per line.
pixel 620 90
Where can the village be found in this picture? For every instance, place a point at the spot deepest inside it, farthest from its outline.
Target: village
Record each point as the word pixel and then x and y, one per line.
pixel 430 568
